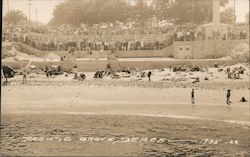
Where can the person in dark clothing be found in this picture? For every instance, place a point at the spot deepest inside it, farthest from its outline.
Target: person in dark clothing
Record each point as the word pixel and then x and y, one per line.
pixel 126 45
pixel 82 76
pixel 196 80
pixel 243 99
pixel 149 76
pixel 157 45
pixel 6 79
pixel 228 97
pixel 24 72
pixel 46 70
pixel 192 96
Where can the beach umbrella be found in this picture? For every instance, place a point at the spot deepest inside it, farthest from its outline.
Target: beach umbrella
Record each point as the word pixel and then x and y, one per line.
pixel 8 71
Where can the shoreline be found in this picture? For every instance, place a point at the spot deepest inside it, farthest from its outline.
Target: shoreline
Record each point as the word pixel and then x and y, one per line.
pixel 244 84
pixel 232 122
pixel 83 134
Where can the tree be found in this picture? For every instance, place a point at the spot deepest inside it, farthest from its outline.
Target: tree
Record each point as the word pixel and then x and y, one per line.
pixel 14 17
pixel 141 12
pixel 227 16
pixel 91 12
pixel 191 11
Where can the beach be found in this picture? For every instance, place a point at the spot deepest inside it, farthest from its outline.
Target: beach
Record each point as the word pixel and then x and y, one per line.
pixel 114 117
pixel 161 78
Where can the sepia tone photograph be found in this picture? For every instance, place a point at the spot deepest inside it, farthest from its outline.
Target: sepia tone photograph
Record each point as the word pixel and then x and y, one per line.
pixel 125 78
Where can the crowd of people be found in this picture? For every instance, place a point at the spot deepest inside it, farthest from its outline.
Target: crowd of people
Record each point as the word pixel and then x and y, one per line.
pixel 234 35
pixel 101 29
pixel 103 37
pixel 185 34
pixel 235 72
pixel 192 34
pixel 23 35
pixel 90 44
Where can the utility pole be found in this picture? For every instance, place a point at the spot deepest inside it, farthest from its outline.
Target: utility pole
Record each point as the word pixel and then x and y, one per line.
pixel 234 14
pixel 29 4
pixel 36 16
pixel 8 6
pixel 193 11
pixel 157 14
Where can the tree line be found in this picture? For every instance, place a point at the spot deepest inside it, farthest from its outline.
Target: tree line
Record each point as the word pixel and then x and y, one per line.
pixel 91 12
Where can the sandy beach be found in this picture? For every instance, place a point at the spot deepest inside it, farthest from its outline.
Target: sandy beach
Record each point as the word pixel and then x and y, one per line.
pixel 153 78
pixel 113 117
pixel 124 114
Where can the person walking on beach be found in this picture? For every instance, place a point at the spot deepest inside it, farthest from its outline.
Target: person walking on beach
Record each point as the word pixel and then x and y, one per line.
pixel 149 76
pixel 228 97
pixel 192 96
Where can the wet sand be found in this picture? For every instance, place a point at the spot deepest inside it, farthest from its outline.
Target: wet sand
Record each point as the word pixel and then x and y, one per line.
pixel 182 137
pixel 119 109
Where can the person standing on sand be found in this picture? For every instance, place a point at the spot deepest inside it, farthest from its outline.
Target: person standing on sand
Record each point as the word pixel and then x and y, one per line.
pixel 228 97
pixel 47 71
pixel 192 96
pixel 74 70
pixel 24 75
pixel 4 76
pixel 149 76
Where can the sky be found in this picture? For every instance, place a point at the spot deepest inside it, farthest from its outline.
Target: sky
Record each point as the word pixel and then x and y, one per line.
pixel 45 8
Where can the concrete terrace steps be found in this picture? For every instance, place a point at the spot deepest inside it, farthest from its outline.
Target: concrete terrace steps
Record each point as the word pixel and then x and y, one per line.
pixel 166 52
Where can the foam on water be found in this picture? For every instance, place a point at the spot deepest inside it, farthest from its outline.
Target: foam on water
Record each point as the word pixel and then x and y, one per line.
pixel 246 123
